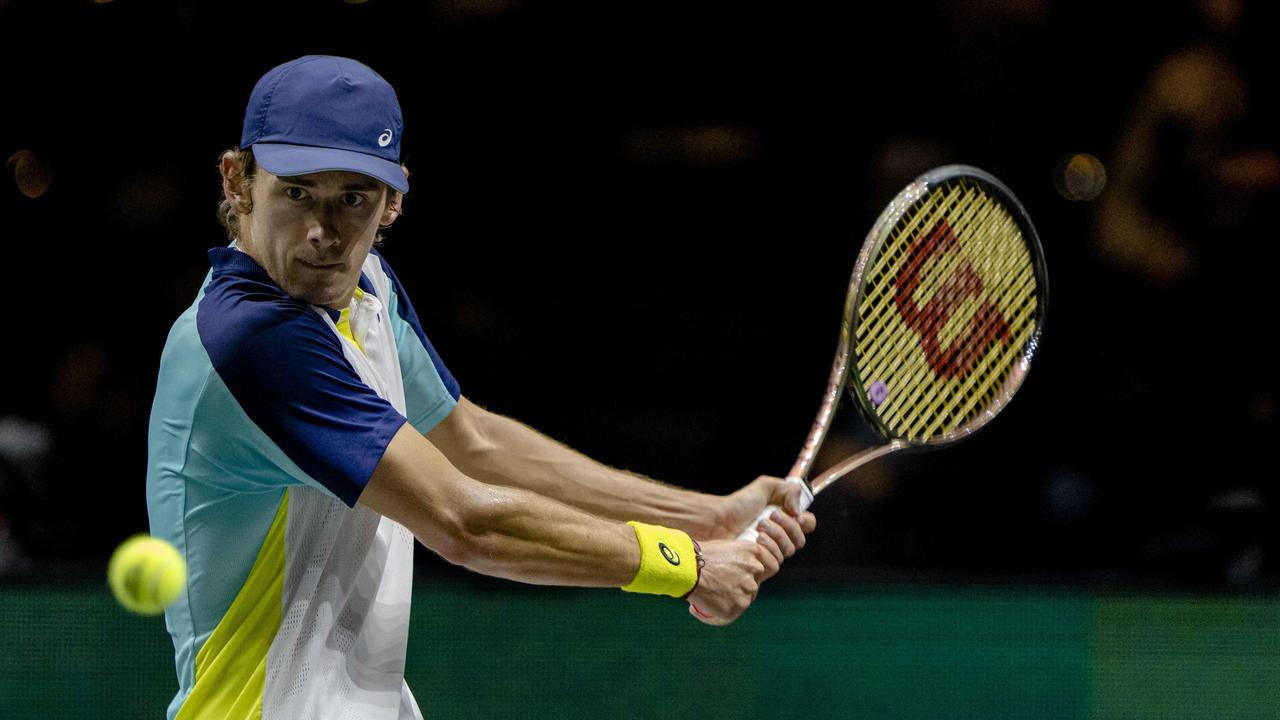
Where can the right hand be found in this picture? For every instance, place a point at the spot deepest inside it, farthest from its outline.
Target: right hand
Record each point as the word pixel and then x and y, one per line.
pixel 731 577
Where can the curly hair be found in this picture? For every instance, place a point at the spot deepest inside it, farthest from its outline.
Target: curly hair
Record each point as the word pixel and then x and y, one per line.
pixel 246 168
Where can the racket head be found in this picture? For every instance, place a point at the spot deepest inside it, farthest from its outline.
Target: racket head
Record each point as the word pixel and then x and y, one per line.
pixel 947 308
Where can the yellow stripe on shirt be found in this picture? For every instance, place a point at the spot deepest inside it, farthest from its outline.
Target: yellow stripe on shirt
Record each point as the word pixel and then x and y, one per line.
pixel 344 321
pixel 231 666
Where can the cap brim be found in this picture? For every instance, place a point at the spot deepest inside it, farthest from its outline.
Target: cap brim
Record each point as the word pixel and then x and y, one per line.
pixel 288 160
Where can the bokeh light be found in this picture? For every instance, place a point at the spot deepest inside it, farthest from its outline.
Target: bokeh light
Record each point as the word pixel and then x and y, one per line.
pixel 32 176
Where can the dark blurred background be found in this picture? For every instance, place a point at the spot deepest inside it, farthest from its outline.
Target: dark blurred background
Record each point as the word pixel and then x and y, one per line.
pixel 632 225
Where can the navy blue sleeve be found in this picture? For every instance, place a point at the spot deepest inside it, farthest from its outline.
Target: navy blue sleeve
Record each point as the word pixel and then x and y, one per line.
pixel 285 368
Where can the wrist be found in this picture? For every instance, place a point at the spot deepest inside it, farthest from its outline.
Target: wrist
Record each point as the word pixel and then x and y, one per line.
pixel 698 563
pixel 702 515
pixel 710 516
pixel 670 561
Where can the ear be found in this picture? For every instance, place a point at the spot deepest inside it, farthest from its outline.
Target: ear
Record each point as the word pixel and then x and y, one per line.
pixel 392 210
pixel 235 186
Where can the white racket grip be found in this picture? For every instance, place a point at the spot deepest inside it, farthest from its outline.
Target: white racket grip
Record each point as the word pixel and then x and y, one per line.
pixel 806 499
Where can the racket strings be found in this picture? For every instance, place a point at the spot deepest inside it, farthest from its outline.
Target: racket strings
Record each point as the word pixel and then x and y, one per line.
pixel 929 400
pixel 878 307
pixel 948 305
pixel 933 405
pixel 955 283
pixel 893 256
pixel 897 355
pixel 899 361
pixel 981 382
pixel 972 392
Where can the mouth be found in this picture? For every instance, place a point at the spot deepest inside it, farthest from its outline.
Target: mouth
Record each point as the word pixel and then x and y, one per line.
pixel 320 265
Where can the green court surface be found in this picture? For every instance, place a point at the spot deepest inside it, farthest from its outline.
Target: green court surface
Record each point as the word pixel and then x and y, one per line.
pixel 879 652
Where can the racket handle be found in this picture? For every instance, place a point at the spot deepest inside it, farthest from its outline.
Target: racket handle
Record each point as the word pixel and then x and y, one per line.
pixel 806 499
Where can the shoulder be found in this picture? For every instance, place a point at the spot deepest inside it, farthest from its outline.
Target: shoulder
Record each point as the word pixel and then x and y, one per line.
pixel 243 314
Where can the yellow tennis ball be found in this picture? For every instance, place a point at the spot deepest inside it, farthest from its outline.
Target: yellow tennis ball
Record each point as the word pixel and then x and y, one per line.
pixel 146 574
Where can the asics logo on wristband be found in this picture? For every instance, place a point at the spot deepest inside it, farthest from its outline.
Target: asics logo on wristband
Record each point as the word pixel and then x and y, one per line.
pixel 669 554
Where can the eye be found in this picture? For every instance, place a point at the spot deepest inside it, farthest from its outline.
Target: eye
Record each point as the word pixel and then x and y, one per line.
pixel 293 192
pixel 352 199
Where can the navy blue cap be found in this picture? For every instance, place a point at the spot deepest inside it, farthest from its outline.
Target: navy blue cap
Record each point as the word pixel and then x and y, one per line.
pixel 322 112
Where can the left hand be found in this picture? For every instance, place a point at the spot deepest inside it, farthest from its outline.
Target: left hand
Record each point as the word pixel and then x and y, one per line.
pixel 784 535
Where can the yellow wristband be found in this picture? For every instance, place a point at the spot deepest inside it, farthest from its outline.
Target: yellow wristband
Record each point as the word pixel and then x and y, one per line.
pixel 668 561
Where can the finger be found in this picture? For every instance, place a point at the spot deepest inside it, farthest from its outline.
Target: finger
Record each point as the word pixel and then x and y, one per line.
pixel 767 564
pixel 808 522
pixel 792 502
pixel 768 531
pixel 786 530
pixel 771 558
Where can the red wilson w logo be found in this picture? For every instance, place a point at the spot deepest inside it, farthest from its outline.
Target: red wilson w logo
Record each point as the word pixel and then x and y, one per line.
pixel 987 326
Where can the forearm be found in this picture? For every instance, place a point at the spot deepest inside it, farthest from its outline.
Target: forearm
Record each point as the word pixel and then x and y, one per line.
pixel 501 531
pixel 515 455
pixel 519 535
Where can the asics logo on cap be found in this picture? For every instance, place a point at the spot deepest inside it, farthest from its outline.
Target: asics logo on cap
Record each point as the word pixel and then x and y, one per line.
pixel 385 138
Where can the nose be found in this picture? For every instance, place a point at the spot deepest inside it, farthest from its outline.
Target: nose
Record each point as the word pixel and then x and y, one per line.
pixel 322 228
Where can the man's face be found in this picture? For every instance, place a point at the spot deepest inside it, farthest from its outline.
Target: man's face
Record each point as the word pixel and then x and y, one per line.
pixel 313 232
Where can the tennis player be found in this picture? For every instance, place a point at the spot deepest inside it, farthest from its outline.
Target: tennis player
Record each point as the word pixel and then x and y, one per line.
pixel 305 432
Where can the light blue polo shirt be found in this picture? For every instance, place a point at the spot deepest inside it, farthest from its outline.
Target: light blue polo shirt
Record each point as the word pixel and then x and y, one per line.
pixel 256 395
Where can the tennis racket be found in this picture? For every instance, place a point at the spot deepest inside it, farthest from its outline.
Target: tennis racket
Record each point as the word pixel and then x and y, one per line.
pixel 943 317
